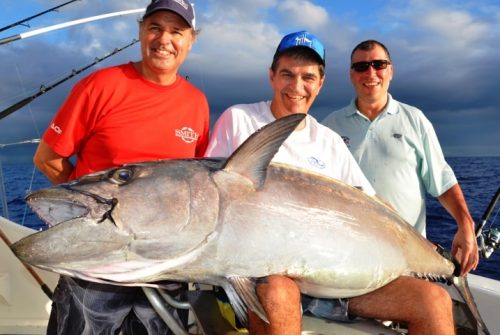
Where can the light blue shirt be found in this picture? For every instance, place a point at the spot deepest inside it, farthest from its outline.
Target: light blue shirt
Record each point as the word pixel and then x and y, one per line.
pixel 399 153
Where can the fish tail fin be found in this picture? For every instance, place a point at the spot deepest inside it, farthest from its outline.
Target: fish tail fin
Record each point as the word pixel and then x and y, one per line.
pixel 242 295
pixel 462 286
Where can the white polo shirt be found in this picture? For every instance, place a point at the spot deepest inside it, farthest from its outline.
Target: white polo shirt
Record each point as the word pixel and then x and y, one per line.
pixel 399 153
pixel 314 148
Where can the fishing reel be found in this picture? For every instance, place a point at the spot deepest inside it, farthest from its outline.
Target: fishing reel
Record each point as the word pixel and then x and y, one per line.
pixel 489 241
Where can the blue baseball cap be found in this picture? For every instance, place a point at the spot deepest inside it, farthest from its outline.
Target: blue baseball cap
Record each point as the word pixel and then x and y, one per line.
pixel 302 39
pixel 181 7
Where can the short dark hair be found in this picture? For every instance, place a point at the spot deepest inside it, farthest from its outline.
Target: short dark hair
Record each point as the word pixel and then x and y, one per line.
pixel 299 53
pixel 369 45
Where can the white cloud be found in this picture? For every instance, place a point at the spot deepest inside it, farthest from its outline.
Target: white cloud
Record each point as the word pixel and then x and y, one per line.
pixel 214 11
pixel 444 51
pixel 461 29
pixel 304 13
pixel 228 51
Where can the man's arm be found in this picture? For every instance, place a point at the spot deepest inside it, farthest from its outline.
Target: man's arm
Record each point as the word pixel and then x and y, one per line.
pixel 464 246
pixel 55 167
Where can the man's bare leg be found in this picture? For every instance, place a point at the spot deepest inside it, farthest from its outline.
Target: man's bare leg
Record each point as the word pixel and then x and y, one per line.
pixel 280 297
pixel 424 306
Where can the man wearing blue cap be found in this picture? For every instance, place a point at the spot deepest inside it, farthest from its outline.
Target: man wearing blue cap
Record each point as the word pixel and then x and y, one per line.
pixel 297 74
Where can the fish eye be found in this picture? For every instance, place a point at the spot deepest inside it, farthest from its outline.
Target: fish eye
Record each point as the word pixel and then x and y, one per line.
pixel 121 176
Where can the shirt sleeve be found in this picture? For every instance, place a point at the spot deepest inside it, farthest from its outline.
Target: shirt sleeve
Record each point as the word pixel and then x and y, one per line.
pixel 221 139
pixel 71 124
pixel 436 174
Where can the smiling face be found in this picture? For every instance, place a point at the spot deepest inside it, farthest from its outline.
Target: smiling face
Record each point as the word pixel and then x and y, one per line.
pixel 371 85
pixel 296 82
pixel 166 39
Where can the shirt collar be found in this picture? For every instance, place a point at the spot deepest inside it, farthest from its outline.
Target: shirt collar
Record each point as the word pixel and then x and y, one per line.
pixel 390 108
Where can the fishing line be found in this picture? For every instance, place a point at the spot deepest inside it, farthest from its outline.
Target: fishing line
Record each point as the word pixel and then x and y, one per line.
pixel 3 193
pixel 495 218
pixel 25 212
pixel 29 106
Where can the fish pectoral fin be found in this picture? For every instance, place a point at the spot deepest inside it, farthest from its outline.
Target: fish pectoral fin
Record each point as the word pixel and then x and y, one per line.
pixel 242 295
pixel 252 158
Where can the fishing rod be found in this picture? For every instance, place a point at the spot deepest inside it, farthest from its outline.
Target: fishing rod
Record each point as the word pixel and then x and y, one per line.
pixel 32 272
pixel 489 240
pixel 36 15
pixel 66 24
pixel 44 89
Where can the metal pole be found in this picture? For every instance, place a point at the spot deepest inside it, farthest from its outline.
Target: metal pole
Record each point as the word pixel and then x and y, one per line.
pixel 156 301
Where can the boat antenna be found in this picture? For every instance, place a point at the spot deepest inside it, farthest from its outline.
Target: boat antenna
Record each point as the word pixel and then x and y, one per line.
pixel 36 15
pixel 44 89
pixel 66 24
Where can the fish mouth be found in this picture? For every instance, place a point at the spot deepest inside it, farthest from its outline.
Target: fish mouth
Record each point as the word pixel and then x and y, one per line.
pixel 64 203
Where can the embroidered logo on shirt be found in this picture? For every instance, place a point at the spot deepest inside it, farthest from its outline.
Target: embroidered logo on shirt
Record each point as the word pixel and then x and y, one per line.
pixel 187 134
pixel 346 140
pixel 316 162
pixel 55 128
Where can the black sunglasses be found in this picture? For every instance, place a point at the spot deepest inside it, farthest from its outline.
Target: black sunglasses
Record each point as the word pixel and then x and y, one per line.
pixel 378 64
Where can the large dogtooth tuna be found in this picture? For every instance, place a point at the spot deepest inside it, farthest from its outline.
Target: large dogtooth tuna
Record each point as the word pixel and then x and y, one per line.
pixel 226 223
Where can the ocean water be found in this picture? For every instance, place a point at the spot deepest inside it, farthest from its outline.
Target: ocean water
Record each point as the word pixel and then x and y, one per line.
pixel 479 178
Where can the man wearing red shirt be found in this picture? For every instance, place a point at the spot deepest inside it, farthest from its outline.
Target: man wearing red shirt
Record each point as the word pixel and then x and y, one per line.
pixel 133 112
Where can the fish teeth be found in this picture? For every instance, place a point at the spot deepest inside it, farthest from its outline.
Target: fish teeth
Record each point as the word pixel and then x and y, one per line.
pixel 430 277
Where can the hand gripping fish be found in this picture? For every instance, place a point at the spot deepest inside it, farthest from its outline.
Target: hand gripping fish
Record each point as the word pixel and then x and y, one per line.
pixel 227 222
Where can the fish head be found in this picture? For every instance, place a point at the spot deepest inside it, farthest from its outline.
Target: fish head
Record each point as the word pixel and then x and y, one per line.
pixel 123 220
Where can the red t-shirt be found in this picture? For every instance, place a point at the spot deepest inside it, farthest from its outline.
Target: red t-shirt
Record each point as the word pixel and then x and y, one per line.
pixel 115 116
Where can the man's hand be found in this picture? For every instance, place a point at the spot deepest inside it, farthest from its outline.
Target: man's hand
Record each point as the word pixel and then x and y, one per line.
pixel 464 246
pixel 464 249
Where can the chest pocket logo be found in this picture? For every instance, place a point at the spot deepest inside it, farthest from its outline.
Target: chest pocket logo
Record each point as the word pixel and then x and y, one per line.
pixel 187 134
pixel 346 140
pixel 397 136
pixel 316 162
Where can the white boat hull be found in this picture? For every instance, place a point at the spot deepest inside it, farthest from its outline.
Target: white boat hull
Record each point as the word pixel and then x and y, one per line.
pixel 24 308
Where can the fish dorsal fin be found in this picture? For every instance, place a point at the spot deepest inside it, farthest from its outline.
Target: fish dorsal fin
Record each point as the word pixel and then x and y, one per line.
pixel 253 156
pixel 242 295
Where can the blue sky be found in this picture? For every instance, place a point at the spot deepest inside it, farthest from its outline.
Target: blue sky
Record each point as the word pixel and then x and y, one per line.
pixel 445 53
